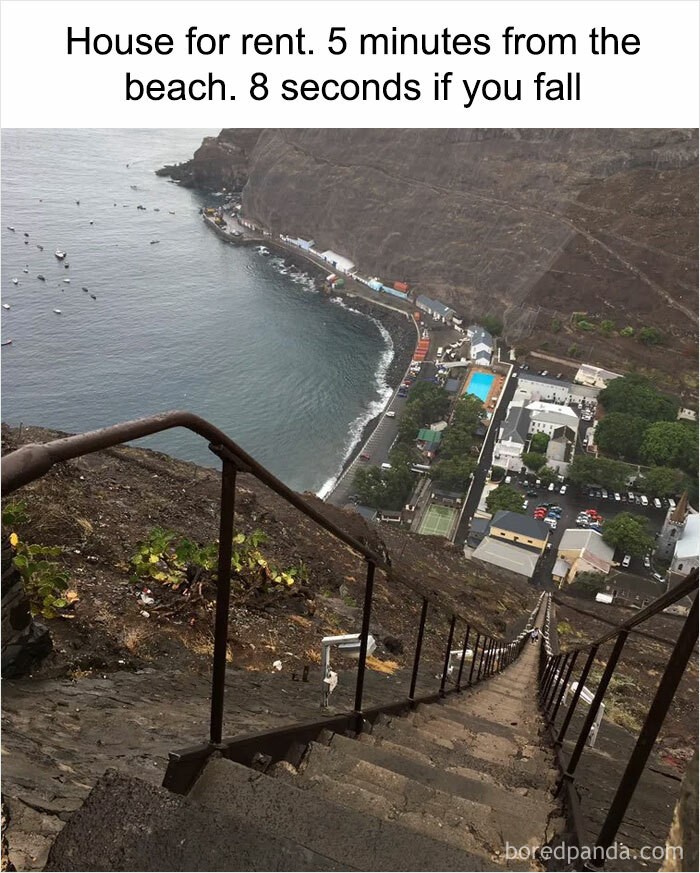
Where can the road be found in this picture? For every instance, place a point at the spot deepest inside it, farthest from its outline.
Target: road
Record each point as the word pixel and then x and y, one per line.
pixel 479 478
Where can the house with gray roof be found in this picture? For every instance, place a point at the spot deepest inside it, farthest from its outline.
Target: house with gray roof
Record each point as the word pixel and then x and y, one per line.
pixel 434 308
pixel 481 345
pixel 512 438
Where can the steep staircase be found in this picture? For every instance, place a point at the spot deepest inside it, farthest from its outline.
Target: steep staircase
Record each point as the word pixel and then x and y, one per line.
pixel 445 787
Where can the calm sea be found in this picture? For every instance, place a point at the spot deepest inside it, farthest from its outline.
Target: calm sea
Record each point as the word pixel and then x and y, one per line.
pixel 186 322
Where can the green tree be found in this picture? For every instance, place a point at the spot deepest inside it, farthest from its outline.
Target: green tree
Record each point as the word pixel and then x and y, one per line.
pixel 497 473
pixel 548 475
pixel 663 481
pixel 607 326
pixel 534 461
pixel 590 582
pixel 453 474
pixel 650 336
pixel 620 434
pixel 586 470
pixel 629 533
pixel 539 443
pixel 627 331
pixel 671 444
pixel 635 395
pixel 504 497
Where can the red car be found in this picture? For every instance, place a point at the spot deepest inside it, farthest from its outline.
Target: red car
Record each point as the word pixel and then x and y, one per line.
pixel 365 457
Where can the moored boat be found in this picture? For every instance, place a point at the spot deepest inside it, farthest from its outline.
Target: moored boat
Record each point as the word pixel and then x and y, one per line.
pixel 60 254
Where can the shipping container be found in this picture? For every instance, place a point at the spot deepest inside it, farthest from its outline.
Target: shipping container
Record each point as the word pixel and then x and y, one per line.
pixel 375 284
pixel 401 286
pixel 339 283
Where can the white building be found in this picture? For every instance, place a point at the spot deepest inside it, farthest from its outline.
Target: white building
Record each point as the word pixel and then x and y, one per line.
pixel 481 345
pixel 345 265
pixel 552 419
pixel 531 386
pixel 595 377
pixel 512 438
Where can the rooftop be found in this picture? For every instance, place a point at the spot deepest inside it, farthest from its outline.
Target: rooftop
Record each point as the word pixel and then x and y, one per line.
pixel 507 555
pixel 688 546
pixel 520 524
pixel 576 539
pixel 529 376
pixel 516 424
pixel 434 306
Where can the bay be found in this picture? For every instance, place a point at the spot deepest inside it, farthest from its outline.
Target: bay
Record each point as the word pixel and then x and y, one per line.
pixel 180 320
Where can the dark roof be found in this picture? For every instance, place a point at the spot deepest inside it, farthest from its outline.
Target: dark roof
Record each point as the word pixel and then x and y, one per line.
pixel 519 524
pixel 480 525
pixel 547 380
pixel 452 385
pixel 516 423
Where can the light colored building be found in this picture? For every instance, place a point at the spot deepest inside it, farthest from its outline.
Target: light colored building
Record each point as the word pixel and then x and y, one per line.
pixel 345 265
pixel 437 310
pixel 582 394
pixel 532 386
pixel 552 419
pixel 520 529
pixel 685 555
pixel 595 377
pixel 512 438
pixel 507 556
pixel 685 414
pixel 481 345
pixel 585 551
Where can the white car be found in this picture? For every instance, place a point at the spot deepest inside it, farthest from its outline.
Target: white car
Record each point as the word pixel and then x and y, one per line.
pixel 644 499
pixel 391 414
pixel 551 486
pixel 647 562
pixel 562 490
pixel 617 497
pixel 657 503
pixel 626 560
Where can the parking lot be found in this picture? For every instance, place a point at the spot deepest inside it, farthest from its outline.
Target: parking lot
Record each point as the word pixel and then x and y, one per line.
pixel 575 501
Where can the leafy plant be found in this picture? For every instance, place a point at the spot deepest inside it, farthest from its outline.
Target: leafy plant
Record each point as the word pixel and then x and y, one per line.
pixel 45 582
pixel 14 513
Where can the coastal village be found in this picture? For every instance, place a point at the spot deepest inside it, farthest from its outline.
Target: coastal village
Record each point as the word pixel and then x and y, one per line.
pixel 500 456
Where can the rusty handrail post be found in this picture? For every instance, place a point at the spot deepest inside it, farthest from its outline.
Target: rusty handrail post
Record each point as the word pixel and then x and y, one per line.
pixel 595 705
pixel 448 651
pixel 223 598
pixel 476 649
pixel 464 655
pixel 481 660
pixel 658 710
pixel 366 614
pixel 562 690
pixel 419 646
pixel 577 693
pixel 556 683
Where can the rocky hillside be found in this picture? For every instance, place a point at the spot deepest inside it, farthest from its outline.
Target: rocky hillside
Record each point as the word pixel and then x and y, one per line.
pixel 533 224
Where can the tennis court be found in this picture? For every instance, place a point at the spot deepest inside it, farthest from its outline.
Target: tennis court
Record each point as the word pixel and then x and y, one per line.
pixel 438 520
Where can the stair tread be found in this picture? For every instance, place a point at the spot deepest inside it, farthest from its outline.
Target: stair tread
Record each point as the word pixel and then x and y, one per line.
pixel 339 831
pixel 459 785
pixel 145 827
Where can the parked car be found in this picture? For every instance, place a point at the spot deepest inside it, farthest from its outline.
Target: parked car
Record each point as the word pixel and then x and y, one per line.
pixel 657 503
pixel 626 560
pixel 644 500
pixel 531 493
pixel 562 490
pixel 630 496
pixel 391 414
pixel 365 456
pixel 616 496
pixel 508 480
pixel 671 503
pixel 551 486
pixel 647 562
pixel 659 577
pixel 525 502
pixel 604 494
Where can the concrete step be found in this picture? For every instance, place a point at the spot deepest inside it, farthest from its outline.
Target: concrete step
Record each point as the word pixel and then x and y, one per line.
pixel 340 832
pixel 523 726
pixel 127 824
pixel 533 768
pixel 455 784
pixel 467 824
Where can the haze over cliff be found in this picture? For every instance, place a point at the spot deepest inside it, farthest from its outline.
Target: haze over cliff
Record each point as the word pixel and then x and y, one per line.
pixel 526 224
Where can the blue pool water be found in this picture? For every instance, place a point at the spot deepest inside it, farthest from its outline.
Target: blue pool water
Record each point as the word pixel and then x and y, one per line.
pixel 480 385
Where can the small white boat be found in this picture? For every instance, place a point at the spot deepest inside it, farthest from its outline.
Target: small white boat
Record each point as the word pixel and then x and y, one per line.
pixel 9 227
pixel 262 250
pixel 15 281
pixel 67 281
pixel 6 343
pixel 25 270
pixel 57 311
pixel 5 305
pixel 60 254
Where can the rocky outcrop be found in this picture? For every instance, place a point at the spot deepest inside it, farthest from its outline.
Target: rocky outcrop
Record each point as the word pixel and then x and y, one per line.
pixel 529 224
pixel 220 162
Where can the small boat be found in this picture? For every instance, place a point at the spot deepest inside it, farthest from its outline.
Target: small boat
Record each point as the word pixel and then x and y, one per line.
pixel 26 234
pixel 60 254
pixel 67 281
pixel 66 265
pixel 41 248
pixel 170 212
pixel 93 297
pixel 6 343
pixel 155 242
pixel 15 281
pixel 5 305
pixel 84 288
pixel 91 221
pixel 9 227
pixel 57 311
pixel 155 209
pixel 42 278
pixel 262 250
pixel 134 187
pixel 26 269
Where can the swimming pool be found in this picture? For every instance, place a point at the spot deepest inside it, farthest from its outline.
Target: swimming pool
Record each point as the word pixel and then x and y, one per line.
pixel 480 385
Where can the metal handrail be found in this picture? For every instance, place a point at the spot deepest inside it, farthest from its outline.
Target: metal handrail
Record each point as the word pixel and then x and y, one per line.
pixel 33 461
pixel 555 674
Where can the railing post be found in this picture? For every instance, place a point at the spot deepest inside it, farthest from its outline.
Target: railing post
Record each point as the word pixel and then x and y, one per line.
pixel 562 689
pixel 476 649
pixel 488 667
pixel 561 667
pixel 419 646
pixel 595 705
pixel 364 633
pixel 481 660
pixel 574 700
pixel 223 597
pixel 652 725
pixel 448 650
pixel 550 673
pixel 464 655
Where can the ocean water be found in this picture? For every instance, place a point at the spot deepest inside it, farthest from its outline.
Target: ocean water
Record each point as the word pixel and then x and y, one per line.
pixel 186 322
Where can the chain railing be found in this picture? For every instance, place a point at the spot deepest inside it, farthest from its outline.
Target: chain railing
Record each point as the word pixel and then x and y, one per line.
pixel 555 680
pixel 491 653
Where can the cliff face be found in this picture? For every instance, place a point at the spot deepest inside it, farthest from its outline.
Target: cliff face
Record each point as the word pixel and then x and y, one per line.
pixel 513 222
